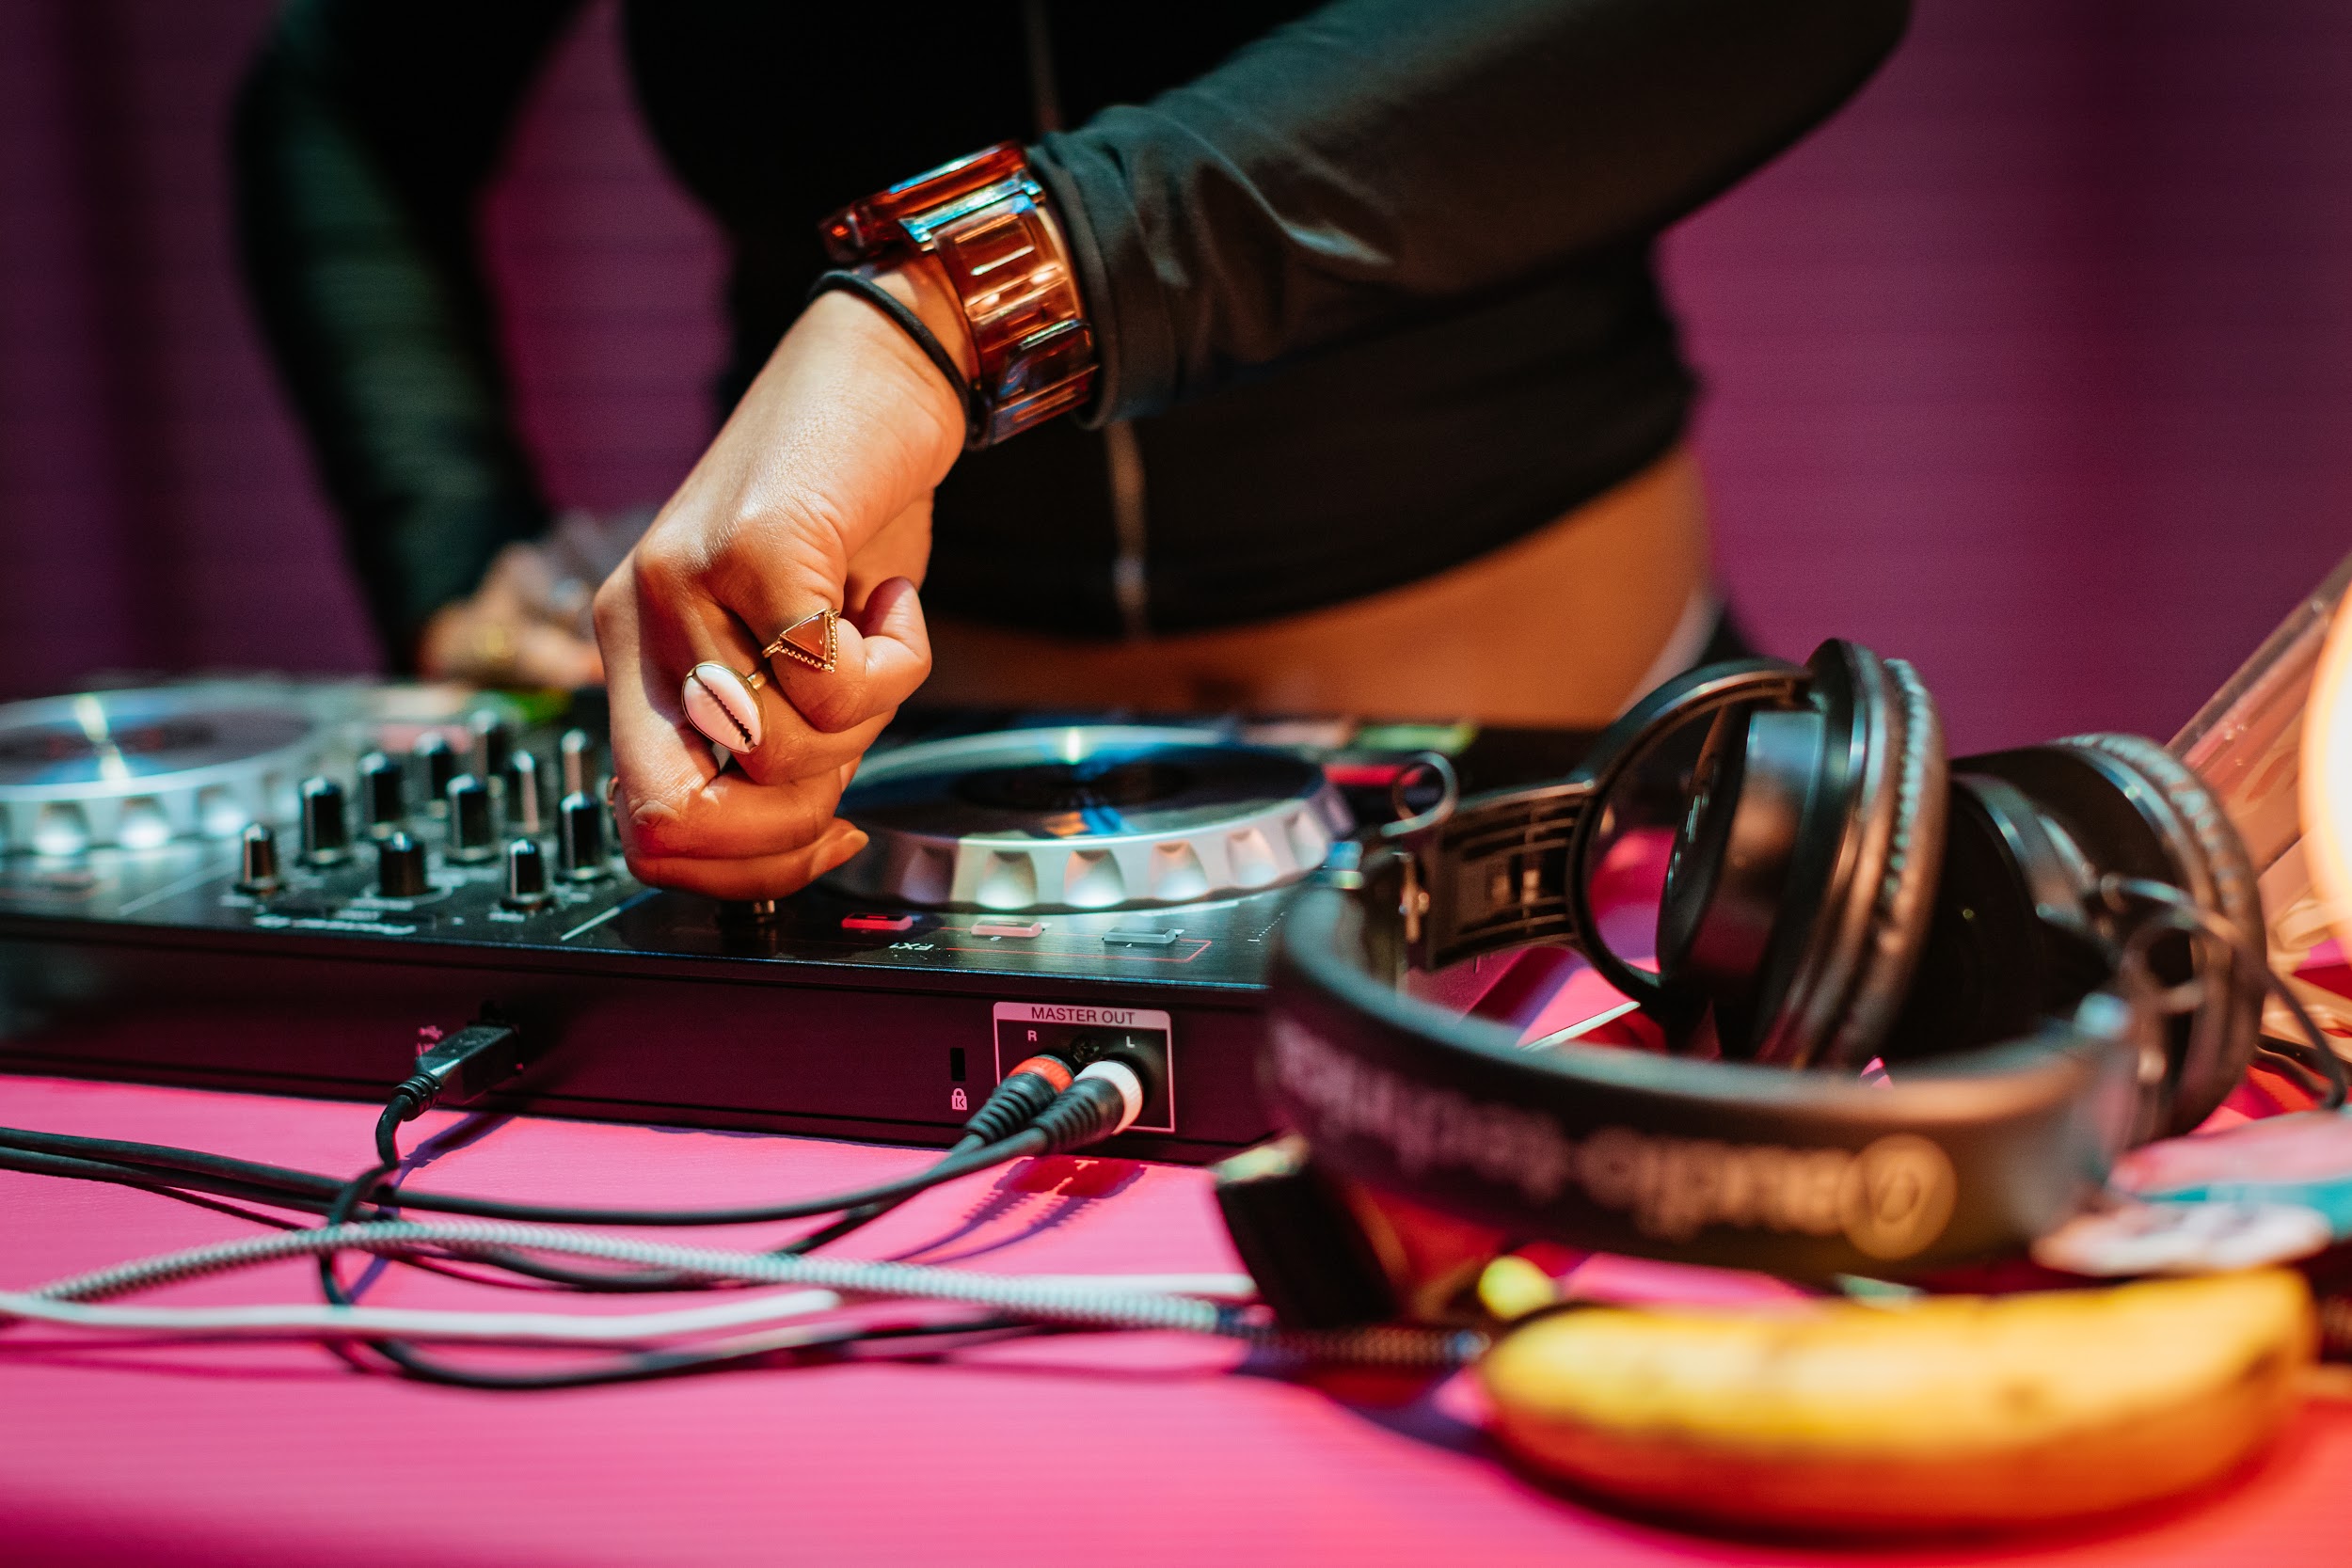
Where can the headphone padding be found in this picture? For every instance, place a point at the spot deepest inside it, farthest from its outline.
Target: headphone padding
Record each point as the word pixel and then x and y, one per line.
pixel 1849 944
pixel 2213 848
pixel 1905 900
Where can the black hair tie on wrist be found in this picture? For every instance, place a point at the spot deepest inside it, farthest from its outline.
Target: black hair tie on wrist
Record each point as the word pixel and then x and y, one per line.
pixel 858 283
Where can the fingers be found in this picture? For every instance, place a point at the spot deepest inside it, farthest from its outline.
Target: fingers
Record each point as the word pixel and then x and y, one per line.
pixel 902 548
pixel 729 818
pixel 763 876
pixel 682 822
pixel 801 720
pixel 814 496
pixel 674 626
pixel 884 653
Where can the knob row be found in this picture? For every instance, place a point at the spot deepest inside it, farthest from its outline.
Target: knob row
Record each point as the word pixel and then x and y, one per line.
pixel 512 775
pixel 401 865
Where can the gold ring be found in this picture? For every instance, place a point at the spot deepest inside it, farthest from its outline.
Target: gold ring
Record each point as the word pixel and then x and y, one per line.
pixel 812 640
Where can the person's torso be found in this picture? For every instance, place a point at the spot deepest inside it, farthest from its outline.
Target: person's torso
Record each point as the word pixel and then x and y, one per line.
pixel 1363 466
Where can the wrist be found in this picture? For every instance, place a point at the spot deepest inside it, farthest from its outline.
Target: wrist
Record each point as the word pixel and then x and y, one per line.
pixel 918 284
pixel 851 359
pixel 981 232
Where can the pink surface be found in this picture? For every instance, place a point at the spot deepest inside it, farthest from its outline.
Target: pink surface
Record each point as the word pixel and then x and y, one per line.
pixel 1164 1450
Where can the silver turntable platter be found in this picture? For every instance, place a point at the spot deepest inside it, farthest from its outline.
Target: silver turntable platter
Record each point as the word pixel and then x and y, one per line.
pixel 135 768
pixel 138 768
pixel 1086 818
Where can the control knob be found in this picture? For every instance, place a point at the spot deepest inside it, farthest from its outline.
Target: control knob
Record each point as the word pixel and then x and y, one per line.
pixel 257 860
pixel 579 751
pixel 522 794
pixel 400 868
pixel 439 766
pixel 469 831
pixel 526 875
pixel 580 826
pixel 384 792
pixel 325 834
pixel 493 743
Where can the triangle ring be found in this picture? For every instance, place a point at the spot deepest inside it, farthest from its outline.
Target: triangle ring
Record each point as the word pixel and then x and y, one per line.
pixel 812 640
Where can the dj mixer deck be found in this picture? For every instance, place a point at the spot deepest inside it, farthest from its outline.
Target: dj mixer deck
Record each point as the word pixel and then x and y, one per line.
pixel 285 886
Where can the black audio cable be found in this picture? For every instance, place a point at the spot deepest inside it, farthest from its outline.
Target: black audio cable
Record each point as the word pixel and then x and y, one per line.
pixel 1040 1107
pixel 648 1365
pixel 138 1164
pixel 1061 1111
pixel 147 1165
pixel 212 1172
pixel 1028 1089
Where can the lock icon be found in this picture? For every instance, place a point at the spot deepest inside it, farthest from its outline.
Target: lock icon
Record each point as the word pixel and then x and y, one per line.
pixel 957 1103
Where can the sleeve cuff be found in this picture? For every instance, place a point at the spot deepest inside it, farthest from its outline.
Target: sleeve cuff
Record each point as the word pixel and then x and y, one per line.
pixel 1134 342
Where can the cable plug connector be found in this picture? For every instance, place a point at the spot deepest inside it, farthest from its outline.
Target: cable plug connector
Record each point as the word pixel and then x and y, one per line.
pixel 461 1067
pixel 1101 1101
pixel 1028 1089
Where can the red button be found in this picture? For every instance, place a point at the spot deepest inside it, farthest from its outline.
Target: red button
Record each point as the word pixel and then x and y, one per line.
pixel 1007 928
pixel 877 922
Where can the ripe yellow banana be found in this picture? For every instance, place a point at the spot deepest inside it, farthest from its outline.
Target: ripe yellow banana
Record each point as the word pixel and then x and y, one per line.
pixel 1949 1412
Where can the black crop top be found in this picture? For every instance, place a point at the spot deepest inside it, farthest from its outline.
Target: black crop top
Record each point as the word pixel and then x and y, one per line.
pixel 1371 280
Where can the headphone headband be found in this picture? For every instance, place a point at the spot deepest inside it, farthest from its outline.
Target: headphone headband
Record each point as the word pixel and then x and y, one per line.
pixel 1717 1163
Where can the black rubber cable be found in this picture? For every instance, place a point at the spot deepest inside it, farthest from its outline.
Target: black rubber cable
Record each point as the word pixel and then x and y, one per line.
pixel 652 1365
pixel 165 1185
pixel 641 1368
pixel 324 1189
pixel 2326 1064
pixel 186 1187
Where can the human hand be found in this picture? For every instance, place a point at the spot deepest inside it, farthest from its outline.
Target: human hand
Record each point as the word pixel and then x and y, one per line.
pixel 815 495
pixel 526 625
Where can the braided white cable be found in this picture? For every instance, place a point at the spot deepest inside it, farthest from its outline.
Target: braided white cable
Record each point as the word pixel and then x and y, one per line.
pixel 1053 1300
pixel 317 1322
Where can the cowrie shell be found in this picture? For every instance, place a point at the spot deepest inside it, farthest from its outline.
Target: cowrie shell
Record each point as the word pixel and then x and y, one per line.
pixel 720 704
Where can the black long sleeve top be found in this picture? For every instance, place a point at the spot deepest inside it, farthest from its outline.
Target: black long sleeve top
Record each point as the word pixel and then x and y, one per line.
pixel 1371 280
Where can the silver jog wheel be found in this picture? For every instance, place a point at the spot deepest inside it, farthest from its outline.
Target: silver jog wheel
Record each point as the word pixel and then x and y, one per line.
pixel 135 770
pixel 1094 816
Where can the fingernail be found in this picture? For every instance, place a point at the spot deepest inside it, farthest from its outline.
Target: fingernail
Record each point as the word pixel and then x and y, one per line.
pixel 719 702
pixel 840 850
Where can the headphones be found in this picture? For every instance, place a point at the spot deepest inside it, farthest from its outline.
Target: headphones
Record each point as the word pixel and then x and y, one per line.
pixel 2045 947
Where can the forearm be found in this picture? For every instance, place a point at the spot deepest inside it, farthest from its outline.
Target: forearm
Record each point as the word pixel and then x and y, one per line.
pixel 1381 157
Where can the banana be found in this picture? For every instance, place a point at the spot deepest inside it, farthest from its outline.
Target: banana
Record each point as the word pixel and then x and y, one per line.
pixel 1953 1412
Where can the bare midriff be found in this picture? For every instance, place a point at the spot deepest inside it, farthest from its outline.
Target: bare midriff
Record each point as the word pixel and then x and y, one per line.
pixel 1557 628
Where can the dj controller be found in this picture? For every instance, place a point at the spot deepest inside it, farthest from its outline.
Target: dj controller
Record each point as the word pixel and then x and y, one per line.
pixel 286 886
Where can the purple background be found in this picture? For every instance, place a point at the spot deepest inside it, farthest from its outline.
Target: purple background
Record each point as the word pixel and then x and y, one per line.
pixel 2034 366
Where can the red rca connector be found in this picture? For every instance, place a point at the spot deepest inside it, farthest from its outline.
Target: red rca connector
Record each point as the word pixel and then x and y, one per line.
pixel 1028 1088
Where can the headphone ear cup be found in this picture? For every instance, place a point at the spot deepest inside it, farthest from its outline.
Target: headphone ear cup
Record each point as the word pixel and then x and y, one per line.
pixel 1749 798
pixel 2209 862
pixel 1991 967
pixel 1862 886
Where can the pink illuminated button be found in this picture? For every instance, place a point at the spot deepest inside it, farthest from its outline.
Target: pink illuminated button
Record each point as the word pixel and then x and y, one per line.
pixel 1007 928
pixel 877 922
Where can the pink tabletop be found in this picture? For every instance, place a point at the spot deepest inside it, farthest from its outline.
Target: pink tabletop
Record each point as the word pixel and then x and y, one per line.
pixel 1130 1449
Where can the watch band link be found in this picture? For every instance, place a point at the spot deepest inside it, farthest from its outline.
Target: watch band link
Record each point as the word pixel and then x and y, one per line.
pixel 985 222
